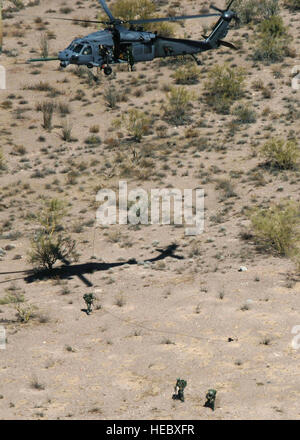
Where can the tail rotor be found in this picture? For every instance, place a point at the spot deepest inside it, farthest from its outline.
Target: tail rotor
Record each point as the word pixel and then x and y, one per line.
pixel 220 29
pixel 223 12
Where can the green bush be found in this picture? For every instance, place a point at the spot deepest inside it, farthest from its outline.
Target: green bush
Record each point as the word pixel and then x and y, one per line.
pixel 111 97
pixel 18 4
pixel 44 45
pixel 162 29
pixel 51 242
pixel 136 122
pixel 47 249
pixel 276 229
pixel 133 9
pixel 24 313
pixel 227 187
pixel 280 153
pixel 2 160
pixel 272 40
pixel 47 108
pixel 178 106
pixel 297 261
pixel 292 4
pixel 66 131
pixel 51 215
pixel 189 74
pixel 250 10
pixel 93 140
pixel 224 86
pixel 244 113
pixel 140 9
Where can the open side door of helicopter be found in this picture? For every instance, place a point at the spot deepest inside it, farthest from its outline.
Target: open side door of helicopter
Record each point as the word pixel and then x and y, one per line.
pixel 140 43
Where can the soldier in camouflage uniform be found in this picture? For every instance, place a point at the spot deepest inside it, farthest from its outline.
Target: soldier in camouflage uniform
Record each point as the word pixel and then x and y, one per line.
pixel 211 399
pixel 89 300
pixel 180 385
pixel 130 58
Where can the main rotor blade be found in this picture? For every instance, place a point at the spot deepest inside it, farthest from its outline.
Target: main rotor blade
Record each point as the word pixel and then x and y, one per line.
pixel 78 20
pixel 107 10
pixel 230 3
pixel 68 19
pixel 183 17
pixel 216 9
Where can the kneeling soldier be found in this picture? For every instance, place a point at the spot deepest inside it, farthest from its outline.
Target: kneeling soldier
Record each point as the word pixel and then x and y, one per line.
pixel 180 384
pixel 89 300
pixel 211 399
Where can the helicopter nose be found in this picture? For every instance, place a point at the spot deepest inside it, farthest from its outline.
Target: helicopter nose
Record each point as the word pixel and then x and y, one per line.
pixel 63 56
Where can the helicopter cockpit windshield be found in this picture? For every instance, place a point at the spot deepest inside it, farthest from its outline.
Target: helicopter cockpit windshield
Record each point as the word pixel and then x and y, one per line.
pixel 87 50
pixel 81 48
pixel 77 48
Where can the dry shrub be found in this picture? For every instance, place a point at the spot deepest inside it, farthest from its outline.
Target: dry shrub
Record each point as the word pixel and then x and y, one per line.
pixel 277 228
pixel 280 153
pixel 225 85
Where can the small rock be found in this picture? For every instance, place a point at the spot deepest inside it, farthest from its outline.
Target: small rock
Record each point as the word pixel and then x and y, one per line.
pixel 232 339
pixel 2 252
pixel 243 269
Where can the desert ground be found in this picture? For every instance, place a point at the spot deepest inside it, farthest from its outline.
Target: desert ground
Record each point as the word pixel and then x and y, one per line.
pixel 159 315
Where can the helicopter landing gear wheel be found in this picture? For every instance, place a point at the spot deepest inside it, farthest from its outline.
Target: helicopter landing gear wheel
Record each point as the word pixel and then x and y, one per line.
pixel 107 70
pixel 89 66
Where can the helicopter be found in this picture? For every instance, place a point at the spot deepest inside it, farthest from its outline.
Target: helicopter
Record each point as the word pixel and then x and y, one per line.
pixel 118 44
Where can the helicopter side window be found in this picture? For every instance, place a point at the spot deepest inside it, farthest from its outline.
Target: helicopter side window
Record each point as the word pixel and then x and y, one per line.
pixel 78 48
pixel 87 50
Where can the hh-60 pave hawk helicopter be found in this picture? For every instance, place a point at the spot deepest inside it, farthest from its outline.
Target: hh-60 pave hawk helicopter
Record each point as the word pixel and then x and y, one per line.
pixel 117 44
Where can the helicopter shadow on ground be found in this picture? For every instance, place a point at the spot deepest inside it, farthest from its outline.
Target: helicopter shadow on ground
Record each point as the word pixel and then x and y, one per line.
pixel 68 270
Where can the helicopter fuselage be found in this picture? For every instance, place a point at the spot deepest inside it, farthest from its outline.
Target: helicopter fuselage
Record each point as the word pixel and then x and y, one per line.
pixel 111 46
pixel 118 44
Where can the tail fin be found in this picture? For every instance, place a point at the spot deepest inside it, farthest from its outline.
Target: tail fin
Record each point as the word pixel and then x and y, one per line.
pixel 221 29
